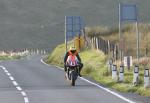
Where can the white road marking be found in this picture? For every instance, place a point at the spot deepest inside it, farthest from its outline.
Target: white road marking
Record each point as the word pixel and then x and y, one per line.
pixel 5 71
pixel 23 93
pixel 3 67
pixel 19 88
pixel 15 83
pixel 11 78
pixel 103 88
pixel 44 62
pixel 8 74
pixel 26 99
pixel 106 89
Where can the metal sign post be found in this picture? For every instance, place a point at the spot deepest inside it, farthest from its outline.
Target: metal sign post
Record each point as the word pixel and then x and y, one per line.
pixel 120 36
pixel 73 27
pixel 138 40
pixel 128 13
pixel 65 34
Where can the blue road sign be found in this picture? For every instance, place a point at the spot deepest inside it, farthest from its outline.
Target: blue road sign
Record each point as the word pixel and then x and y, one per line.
pixel 128 12
pixel 69 26
pixel 74 25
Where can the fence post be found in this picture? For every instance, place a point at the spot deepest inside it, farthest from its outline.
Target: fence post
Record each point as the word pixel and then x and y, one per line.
pixel 92 42
pixel 97 43
pixel 108 46
pixel 100 44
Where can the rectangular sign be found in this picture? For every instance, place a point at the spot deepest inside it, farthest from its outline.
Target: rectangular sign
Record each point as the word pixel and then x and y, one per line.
pixel 128 12
pixel 128 61
pixel 74 25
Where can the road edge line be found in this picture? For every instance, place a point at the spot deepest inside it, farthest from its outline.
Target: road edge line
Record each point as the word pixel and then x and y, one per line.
pixel 101 87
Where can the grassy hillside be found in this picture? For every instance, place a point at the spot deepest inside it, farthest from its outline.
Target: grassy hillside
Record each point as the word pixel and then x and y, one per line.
pixel 95 66
pixel 40 23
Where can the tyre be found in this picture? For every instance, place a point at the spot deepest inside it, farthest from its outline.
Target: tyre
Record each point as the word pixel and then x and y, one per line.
pixel 73 78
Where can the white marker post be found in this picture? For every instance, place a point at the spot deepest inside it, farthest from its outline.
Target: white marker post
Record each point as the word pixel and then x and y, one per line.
pixel 146 78
pixel 121 74
pixel 114 73
pixel 136 75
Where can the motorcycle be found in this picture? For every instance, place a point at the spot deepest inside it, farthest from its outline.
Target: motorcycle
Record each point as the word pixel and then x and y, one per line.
pixel 72 69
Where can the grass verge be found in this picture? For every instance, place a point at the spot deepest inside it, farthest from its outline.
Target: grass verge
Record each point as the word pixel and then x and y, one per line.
pixel 9 57
pixel 95 66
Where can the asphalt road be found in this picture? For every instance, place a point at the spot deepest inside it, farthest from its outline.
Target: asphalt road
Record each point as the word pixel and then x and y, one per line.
pixel 39 83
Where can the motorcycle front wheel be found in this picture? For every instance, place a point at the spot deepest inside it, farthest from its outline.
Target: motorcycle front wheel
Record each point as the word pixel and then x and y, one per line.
pixel 73 78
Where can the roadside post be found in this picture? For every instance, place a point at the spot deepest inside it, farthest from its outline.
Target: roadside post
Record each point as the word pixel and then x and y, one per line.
pixel 73 27
pixel 128 12
pixel 121 73
pixel 114 73
pixel 146 78
pixel 136 75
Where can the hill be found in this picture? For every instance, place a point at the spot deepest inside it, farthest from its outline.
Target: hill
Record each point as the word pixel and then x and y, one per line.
pixel 40 23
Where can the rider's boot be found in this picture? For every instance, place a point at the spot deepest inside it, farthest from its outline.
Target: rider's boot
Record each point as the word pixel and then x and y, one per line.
pixel 80 75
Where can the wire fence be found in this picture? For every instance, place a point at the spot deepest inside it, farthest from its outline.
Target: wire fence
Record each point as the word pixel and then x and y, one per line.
pixel 105 46
pixel 112 49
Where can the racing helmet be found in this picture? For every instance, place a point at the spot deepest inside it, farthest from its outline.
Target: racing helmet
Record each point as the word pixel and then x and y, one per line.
pixel 72 50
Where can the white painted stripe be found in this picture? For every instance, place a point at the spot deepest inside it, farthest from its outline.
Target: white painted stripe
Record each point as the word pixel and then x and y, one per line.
pixel 3 67
pixel 11 78
pixel 6 71
pixel 51 65
pixel 15 83
pixel 26 100
pixel 8 74
pixel 19 88
pixel 106 89
pixel 23 93
pixel 103 88
pixel 44 62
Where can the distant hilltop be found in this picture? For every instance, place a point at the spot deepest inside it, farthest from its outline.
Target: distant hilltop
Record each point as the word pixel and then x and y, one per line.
pixel 40 23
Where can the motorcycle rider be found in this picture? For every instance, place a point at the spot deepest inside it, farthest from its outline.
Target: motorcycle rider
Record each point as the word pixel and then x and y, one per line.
pixel 73 51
